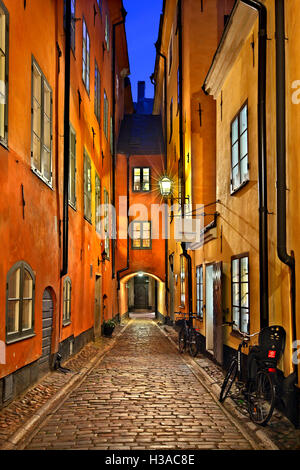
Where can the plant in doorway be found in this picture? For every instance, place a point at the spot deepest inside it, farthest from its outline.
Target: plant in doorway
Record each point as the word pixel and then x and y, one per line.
pixel 108 327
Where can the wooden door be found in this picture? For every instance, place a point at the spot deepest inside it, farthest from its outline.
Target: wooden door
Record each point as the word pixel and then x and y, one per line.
pixel 47 324
pixel 218 313
pixel 140 294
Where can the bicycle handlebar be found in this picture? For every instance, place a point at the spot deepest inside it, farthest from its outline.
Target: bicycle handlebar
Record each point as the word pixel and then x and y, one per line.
pixel 245 335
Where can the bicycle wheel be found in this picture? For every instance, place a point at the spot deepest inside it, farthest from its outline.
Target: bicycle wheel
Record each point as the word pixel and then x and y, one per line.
pixel 182 337
pixel 228 381
pixel 193 343
pixel 261 398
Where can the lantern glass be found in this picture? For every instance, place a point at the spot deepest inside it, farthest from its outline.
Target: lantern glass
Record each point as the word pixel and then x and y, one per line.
pixel 165 186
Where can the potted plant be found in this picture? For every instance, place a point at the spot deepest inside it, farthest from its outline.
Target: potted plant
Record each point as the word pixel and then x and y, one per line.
pixel 108 327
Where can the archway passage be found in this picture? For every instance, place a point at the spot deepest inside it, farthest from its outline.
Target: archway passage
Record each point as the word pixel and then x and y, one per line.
pixel 142 295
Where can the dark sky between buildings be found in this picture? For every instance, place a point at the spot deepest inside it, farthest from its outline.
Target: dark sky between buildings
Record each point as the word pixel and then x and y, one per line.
pixel 142 25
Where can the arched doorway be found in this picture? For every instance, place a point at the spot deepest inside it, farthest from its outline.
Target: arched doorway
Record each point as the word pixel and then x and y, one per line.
pixel 142 292
pixel 47 326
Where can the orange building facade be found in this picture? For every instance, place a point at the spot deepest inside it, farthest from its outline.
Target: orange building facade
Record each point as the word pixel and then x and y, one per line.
pixel 47 309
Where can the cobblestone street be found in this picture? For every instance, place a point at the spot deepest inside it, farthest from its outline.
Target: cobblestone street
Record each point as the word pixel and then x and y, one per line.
pixel 141 395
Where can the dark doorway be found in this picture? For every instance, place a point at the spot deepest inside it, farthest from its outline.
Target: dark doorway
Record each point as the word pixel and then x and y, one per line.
pixel 141 293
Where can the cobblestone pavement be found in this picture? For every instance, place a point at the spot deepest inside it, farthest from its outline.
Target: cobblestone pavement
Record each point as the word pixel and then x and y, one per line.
pixel 142 395
pixel 15 415
pixel 279 430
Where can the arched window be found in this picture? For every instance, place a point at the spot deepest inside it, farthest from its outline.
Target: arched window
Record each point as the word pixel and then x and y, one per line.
pixel 67 301
pixel 20 302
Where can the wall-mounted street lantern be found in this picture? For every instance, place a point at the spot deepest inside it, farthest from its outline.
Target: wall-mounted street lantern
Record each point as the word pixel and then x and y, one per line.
pixel 166 186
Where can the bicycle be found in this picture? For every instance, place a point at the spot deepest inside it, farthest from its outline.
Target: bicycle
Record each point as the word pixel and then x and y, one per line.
pixel 259 393
pixel 188 336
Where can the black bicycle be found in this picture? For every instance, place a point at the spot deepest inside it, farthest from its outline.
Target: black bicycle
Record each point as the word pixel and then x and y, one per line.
pixel 260 392
pixel 188 336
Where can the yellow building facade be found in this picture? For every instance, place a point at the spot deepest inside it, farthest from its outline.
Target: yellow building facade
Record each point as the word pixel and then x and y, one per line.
pixel 239 81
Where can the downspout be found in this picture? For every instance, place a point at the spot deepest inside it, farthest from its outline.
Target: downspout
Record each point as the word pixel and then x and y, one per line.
pixel 122 22
pixel 181 149
pixel 181 143
pixel 262 162
pixel 284 257
pixel 128 241
pixel 64 270
pixel 157 45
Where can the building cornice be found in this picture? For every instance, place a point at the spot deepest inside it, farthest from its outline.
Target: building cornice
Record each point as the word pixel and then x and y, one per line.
pixel 238 28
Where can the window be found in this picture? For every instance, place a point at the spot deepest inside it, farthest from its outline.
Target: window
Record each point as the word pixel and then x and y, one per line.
pixel 105 113
pixel 199 291
pixel 171 119
pixel 85 56
pixel 72 174
pixel 141 179
pixel 141 236
pixel 111 136
pixel 107 32
pixel 99 2
pixel 87 185
pixel 239 149
pixel 4 25
pixel 240 292
pixel 106 223
pixel 98 204
pixel 97 104
pixel 67 301
pixel 73 22
pixel 182 281
pixel 41 146
pixel 20 303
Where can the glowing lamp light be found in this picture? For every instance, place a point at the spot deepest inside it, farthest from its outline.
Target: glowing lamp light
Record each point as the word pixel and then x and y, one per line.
pixel 140 274
pixel 165 185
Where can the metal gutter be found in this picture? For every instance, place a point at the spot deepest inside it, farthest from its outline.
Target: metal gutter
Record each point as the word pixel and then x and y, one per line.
pixel 64 270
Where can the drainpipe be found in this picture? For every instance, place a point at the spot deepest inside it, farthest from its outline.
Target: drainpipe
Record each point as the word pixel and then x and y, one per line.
pixel 66 141
pixel 181 149
pixel 128 241
pixel 284 257
pixel 262 162
pixel 122 22
pixel 157 46
pixel 181 143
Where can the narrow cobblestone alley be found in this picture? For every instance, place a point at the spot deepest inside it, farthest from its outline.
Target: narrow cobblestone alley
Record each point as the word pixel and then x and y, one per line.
pixel 142 395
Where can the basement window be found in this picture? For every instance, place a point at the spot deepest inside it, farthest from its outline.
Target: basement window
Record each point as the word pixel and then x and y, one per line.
pixel 240 292
pixel 141 236
pixel 141 180
pixel 20 294
pixel 239 149
pixel 41 137
pixel 4 29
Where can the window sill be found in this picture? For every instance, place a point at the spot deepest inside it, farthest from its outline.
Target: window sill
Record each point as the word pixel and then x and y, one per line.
pixel 67 323
pixel 41 177
pixel 4 144
pixel 88 220
pixel 20 338
pixel 73 206
pixel 238 188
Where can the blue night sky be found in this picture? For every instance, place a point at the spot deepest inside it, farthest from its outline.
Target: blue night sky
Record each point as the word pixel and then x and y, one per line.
pixel 142 23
